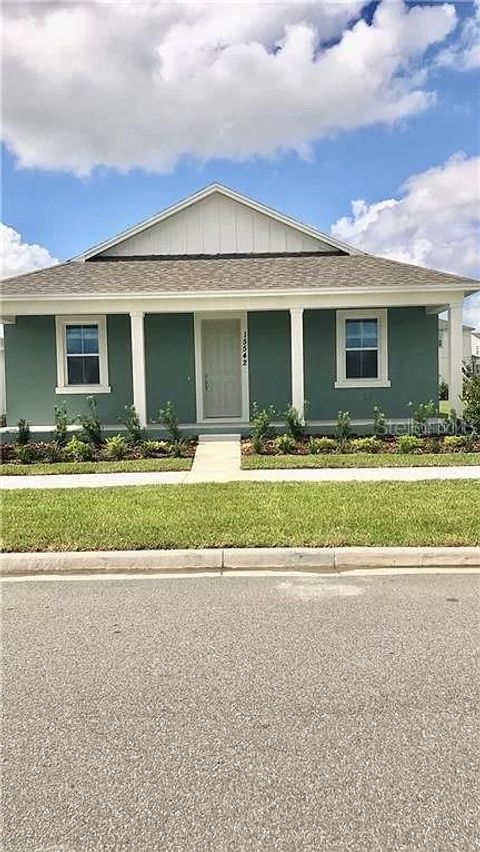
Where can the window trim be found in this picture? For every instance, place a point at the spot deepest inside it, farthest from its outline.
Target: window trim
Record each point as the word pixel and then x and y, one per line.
pixel 60 329
pixel 382 380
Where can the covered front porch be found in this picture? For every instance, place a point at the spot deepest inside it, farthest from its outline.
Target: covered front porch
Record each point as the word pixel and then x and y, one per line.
pixel 213 357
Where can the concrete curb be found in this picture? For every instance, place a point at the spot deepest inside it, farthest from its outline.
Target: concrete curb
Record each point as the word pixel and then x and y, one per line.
pixel 322 560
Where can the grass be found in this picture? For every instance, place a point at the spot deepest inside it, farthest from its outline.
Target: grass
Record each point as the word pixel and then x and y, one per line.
pixel 127 466
pixel 243 514
pixel 254 462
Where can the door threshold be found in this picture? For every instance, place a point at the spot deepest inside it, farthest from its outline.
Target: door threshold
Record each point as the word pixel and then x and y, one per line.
pixel 204 439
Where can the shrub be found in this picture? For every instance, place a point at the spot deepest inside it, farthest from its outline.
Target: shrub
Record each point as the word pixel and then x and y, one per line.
pixel 422 414
pixel 284 443
pixel 3 420
pixel 168 418
pixel 177 449
pixel 261 426
pixel 454 443
pixel 322 445
pixel 91 424
pixel 115 448
pixel 365 445
pixel 24 433
pixel 443 390
pixel 343 429
pixel 77 450
pixel 135 433
pixel 61 424
pixel 25 453
pixel 471 397
pixel 294 423
pixel 379 422
pixel 433 444
pixel 409 444
pixel 53 452
pixel 150 449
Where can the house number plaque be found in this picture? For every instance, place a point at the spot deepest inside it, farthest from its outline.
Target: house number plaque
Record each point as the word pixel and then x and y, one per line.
pixel 244 349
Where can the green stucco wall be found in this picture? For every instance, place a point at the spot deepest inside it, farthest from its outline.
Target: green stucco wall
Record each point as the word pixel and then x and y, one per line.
pixel 269 358
pixel 412 358
pixel 31 370
pixel 170 364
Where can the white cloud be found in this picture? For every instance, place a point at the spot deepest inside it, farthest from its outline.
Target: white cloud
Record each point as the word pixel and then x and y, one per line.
pixel 435 223
pixel 464 53
pixel 17 257
pixel 144 84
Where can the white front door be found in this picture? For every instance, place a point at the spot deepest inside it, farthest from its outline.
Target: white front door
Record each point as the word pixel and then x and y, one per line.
pixel 221 362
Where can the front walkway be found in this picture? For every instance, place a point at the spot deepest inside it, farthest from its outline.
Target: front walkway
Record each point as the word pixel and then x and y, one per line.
pixel 218 460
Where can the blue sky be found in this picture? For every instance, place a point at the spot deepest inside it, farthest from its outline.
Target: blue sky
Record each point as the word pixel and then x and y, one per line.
pixel 77 170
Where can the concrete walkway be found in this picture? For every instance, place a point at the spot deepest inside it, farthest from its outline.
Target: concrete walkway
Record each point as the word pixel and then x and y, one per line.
pixel 217 459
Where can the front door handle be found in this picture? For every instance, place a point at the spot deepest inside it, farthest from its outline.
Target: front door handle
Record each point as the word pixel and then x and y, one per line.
pixel 206 381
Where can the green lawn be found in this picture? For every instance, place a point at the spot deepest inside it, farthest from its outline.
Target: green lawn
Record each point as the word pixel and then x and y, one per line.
pixel 243 514
pixel 254 462
pixel 127 466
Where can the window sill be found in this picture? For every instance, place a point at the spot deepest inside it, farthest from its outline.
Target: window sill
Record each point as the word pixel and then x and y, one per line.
pixel 362 383
pixel 85 389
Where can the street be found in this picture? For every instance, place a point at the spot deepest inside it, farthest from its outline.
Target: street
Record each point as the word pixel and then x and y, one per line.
pixel 241 713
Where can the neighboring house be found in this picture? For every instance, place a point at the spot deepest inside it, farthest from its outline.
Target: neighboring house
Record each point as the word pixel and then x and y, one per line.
pixel 470 348
pixel 220 302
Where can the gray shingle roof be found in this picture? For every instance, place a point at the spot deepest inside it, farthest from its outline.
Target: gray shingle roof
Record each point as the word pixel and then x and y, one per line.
pixel 226 274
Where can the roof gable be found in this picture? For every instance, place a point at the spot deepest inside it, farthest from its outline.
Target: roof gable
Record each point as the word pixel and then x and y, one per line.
pixel 217 221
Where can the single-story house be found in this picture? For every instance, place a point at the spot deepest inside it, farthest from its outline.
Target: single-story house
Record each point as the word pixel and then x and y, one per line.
pixel 219 302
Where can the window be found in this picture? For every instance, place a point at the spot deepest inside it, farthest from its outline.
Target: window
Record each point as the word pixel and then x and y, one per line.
pixel 82 355
pixel 362 349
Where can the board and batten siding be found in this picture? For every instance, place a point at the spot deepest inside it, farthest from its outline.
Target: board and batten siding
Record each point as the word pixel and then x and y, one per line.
pixel 31 366
pixel 217 225
pixel 412 366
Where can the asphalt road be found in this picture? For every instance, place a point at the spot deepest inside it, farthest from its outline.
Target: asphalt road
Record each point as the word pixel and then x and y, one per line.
pixel 279 713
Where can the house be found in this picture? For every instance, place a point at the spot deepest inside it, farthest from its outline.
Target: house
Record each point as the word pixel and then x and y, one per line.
pixel 470 348
pixel 219 302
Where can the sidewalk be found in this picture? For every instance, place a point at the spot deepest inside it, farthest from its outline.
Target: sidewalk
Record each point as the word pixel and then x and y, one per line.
pixel 218 460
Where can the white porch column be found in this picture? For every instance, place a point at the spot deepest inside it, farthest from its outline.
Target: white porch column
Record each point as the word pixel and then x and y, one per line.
pixel 296 345
pixel 138 365
pixel 455 333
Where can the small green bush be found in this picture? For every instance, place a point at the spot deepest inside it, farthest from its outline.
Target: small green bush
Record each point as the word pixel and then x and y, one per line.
pixel 115 448
pixel 379 422
pixel 53 452
pixel 91 423
pixel 422 414
pixel 61 424
pixel 77 450
pixel 177 449
pixel 151 449
pixel 343 428
pixel 322 445
pixel 24 434
pixel 365 445
pixel 454 443
pixel 168 418
pixel 25 453
pixel 260 422
pixel 443 390
pixel 135 433
pixel 284 443
pixel 295 426
pixel 408 444
pixel 471 397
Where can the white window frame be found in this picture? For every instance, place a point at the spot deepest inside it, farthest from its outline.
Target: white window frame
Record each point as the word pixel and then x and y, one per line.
pixel 62 375
pixel 382 380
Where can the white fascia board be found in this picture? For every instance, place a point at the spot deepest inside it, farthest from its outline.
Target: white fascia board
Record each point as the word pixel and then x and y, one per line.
pixel 205 193
pixel 179 303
